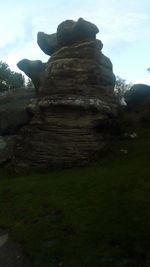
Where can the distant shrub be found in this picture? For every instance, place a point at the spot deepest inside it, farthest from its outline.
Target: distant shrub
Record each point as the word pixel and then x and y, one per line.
pixel 10 79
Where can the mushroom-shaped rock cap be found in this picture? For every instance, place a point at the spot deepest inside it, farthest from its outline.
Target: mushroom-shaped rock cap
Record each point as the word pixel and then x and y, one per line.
pixel 47 42
pixel 69 31
pixel 33 69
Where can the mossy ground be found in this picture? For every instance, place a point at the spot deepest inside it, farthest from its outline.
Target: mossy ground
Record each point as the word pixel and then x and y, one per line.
pixel 93 216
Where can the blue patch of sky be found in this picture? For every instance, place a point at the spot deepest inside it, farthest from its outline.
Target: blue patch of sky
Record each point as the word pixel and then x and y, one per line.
pixel 18 42
pixel 124 27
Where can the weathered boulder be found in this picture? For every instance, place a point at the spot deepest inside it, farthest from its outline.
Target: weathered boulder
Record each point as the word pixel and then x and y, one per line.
pixel 34 69
pixel 69 31
pixel 138 95
pixel 72 116
pixel 48 42
pixel 13 113
pixel 13 116
pixel 79 69
pixel 137 113
pixel 64 132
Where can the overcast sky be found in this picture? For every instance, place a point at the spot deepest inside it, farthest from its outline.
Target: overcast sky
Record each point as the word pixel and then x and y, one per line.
pixel 124 30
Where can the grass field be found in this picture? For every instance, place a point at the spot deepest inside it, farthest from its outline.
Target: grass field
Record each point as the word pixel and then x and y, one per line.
pixel 93 216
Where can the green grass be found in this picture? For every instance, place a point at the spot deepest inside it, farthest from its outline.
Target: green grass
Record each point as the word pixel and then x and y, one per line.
pixel 93 216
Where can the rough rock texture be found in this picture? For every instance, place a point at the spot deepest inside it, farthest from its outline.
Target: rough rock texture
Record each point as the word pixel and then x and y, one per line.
pixel 79 69
pixel 64 133
pixel 13 115
pixel 72 116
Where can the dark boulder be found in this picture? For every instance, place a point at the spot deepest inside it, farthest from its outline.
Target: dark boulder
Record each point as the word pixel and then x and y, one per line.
pixel 69 31
pixel 13 116
pixel 13 113
pixel 34 69
pixel 48 42
pixel 137 113
pixel 139 94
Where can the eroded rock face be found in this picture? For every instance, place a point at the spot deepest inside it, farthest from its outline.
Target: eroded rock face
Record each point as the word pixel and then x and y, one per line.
pixel 64 132
pixel 13 116
pixel 48 42
pixel 79 69
pixel 34 69
pixel 13 112
pixel 73 113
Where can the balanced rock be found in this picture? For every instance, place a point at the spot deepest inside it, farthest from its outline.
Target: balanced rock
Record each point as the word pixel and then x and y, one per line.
pixel 34 69
pixel 69 31
pixel 48 42
pixel 72 116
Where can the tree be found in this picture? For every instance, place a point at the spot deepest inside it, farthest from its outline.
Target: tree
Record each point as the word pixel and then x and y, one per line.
pixel 29 84
pixel 120 88
pixel 4 73
pixel 10 79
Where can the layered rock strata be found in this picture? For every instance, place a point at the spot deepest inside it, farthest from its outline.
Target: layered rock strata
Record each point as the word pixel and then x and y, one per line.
pixel 75 104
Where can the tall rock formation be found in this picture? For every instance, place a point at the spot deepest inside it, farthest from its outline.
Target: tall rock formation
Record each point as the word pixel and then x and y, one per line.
pixel 75 104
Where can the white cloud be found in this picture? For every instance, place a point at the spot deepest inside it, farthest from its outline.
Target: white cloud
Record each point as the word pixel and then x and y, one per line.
pixel 122 24
pixel 30 51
